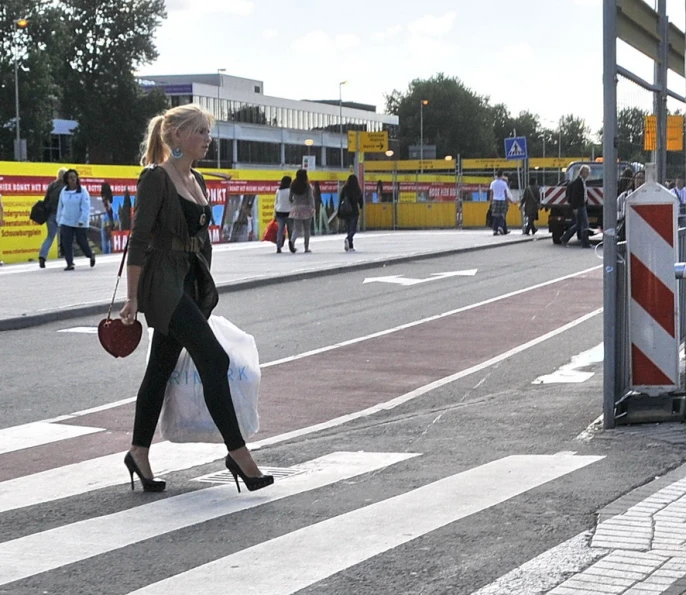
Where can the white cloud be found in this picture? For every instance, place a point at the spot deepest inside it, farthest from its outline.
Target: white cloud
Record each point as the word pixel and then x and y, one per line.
pixel 387 34
pixel 321 42
pixel 239 7
pixel 270 33
pixel 347 41
pixel 433 26
pixel 514 54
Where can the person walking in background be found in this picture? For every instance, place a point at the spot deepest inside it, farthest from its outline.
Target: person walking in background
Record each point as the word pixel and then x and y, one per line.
pixel 282 214
pixel 578 199
pixel 52 201
pixel 499 195
pixel 680 192
pixel 169 280
pixel 108 221
pixel 73 215
pixel 301 198
pixel 531 203
pixel 349 207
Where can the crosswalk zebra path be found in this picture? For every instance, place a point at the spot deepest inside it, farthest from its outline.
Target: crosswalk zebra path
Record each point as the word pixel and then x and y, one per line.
pixel 79 529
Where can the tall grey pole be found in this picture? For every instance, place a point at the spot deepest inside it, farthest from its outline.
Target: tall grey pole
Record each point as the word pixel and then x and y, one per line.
pixel 421 135
pixel 18 153
pixel 661 95
pixel 340 118
pixel 609 211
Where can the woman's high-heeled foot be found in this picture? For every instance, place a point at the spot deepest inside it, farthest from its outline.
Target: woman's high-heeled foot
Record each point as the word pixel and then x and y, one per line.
pixel 149 485
pixel 252 483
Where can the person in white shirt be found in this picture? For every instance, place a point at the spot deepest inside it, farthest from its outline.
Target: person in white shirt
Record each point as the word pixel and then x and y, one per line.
pixel 282 214
pixel 500 194
pixel 680 192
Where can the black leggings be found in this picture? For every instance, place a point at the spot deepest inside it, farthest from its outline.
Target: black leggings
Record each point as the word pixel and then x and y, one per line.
pixel 188 328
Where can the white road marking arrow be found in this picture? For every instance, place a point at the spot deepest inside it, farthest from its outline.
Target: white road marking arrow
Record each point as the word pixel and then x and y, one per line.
pixel 400 280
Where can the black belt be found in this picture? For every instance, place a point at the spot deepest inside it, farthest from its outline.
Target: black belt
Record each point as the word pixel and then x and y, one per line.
pixel 193 245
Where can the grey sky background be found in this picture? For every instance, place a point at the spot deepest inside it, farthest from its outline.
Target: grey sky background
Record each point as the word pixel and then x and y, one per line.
pixel 539 55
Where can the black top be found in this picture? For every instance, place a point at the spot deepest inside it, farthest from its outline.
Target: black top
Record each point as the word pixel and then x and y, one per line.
pixel 197 216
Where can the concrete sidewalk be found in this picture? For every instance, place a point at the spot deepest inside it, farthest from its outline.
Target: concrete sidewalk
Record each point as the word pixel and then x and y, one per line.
pixel 32 296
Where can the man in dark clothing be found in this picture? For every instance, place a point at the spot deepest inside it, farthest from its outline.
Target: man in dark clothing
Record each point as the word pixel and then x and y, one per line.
pixel 530 203
pixel 52 201
pixel 578 199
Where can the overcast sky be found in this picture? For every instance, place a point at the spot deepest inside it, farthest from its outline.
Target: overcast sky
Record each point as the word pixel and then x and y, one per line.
pixel 539 55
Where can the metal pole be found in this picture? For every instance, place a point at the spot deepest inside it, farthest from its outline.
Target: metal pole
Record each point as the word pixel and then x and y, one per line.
pixel 421 136
pixel 219 112
pixel 340 118
pixel 18 155
pixel 661 95
pixel 609 211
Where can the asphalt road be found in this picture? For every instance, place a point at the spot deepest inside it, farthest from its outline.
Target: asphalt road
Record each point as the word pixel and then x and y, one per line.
pixel 455 426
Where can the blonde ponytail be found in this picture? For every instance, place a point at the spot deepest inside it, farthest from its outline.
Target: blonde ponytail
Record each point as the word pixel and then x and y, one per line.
pixel 154 150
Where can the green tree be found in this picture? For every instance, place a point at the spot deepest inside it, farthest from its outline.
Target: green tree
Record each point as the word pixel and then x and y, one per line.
pixel 574 134
pixel 630 132
pixel 456 119
pixel 110 40
pixel 37 49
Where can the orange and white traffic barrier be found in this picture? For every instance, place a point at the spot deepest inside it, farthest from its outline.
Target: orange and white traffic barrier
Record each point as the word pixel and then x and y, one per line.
pixel 652 251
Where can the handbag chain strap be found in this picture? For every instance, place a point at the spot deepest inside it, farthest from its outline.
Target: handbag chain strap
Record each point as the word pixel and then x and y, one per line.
pixel 121 268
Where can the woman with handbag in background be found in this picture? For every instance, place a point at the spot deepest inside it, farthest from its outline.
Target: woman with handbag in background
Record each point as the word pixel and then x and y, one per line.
pixel 282 214
pixel 73 216
pixel 169 280
pixel 301 198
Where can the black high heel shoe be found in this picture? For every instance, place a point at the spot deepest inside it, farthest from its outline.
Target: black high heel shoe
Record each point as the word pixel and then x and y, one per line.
pixel 149 485
pixel 252 483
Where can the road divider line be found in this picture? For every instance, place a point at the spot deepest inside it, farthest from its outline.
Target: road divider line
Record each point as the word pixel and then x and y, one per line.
pixel 41 552
pixel 297 560
pixel 422 389
pixel 433 318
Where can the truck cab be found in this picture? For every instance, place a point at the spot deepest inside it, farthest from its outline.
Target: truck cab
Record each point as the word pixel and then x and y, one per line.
pixel 561 216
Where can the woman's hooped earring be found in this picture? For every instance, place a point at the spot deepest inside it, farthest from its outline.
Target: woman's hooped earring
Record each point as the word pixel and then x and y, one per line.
pixel 177 153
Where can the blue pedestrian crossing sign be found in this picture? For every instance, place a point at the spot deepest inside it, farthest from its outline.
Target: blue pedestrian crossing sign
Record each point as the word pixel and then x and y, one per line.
pixel 515 148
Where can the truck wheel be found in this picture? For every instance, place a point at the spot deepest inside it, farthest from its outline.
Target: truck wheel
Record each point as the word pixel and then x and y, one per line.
pixel 557 236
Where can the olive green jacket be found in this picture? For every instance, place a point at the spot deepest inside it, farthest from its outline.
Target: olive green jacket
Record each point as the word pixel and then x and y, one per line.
pixel 160 243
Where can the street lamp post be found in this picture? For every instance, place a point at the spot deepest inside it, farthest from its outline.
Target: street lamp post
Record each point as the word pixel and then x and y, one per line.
pixel 308 143
pixel 422 103
pixel 340 116
pixel 21 24
pixel 220 84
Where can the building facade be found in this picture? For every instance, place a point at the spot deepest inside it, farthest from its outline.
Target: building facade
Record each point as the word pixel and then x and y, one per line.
pixel 253 128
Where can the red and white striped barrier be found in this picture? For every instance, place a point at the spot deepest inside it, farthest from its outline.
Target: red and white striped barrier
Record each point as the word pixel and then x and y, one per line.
pixel 555 195
pixel 652 250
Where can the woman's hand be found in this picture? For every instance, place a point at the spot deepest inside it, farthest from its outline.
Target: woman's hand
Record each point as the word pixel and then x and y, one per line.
pixel 128 312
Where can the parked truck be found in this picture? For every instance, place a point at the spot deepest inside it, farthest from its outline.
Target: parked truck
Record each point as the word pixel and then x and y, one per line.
pixel 553 198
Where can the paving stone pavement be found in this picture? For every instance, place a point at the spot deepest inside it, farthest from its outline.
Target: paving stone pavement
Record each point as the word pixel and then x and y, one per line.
pixel 644 537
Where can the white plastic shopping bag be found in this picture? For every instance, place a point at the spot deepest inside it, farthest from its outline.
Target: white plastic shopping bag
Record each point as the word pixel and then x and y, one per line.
pixel 185 417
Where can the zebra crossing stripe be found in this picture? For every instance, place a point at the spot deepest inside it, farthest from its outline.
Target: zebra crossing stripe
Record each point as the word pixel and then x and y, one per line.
pixel 39 433
pixel 48 550
pixel 297 560
pixel 102 472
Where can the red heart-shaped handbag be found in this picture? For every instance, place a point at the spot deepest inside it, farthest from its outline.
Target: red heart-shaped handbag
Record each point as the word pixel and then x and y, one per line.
pixel 117 338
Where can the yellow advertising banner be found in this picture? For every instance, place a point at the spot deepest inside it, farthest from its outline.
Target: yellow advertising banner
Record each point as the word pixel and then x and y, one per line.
pixel 410 165
pixel 495 163
pixel 650 133
pixel 675 133
pixel 553 162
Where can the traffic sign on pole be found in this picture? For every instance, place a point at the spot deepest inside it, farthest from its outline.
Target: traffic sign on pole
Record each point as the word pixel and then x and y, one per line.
pixel 367 142
pixel 515 148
